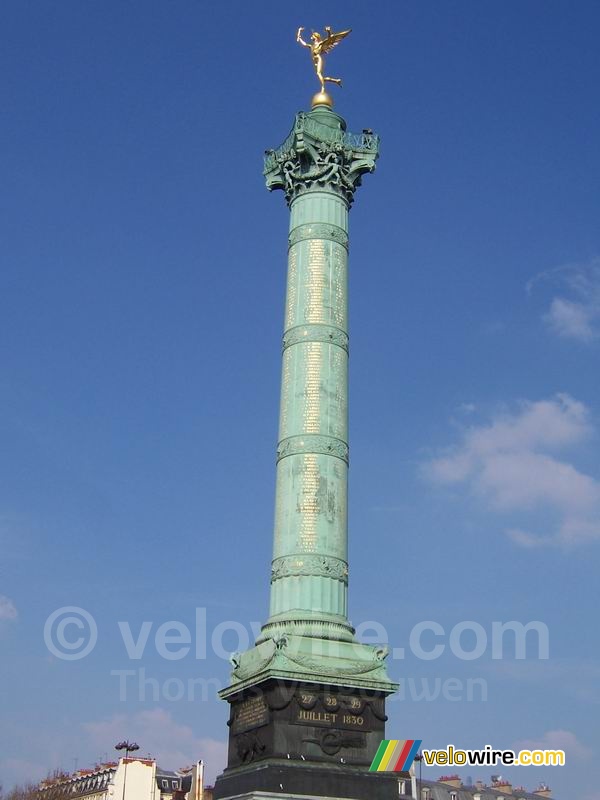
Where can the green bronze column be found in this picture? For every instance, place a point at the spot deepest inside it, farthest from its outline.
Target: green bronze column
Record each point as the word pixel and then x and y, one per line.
pixel 308 636
pixel 309 577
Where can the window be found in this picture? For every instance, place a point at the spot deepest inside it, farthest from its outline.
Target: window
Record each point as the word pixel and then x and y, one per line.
pixel 165 784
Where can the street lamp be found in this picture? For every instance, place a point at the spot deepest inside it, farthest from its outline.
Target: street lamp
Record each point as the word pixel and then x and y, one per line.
pixel 129 747
pixel 419 758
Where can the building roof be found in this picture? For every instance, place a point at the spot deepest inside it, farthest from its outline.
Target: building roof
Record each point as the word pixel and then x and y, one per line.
pixel 175 780
pixel 446 791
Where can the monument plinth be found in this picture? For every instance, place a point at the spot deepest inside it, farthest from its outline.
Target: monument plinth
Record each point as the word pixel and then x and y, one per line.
pixel 307 702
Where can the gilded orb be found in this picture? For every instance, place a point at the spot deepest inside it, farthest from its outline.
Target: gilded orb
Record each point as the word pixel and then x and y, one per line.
pixel 322 99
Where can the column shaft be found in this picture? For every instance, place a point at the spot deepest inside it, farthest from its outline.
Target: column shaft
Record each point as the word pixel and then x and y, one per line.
pixel 310 552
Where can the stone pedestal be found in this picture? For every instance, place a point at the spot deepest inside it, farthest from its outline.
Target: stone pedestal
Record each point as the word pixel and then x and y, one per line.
pixel 298 738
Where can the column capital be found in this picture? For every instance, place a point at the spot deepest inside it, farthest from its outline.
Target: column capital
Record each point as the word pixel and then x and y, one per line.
pixel 320 154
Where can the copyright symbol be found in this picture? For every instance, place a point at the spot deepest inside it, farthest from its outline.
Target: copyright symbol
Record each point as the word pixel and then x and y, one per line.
pixel 70 633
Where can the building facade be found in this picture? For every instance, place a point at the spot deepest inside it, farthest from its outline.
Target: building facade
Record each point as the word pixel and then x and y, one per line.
pixel 127 779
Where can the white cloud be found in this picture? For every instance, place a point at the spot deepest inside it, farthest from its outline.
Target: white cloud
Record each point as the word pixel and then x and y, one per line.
pixel 159 735
pixel 570 319
pixel 7 608
pixel 557 740
pixel 511 465
pixel 575 312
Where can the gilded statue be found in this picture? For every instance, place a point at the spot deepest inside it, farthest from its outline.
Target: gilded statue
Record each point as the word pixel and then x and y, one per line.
pixel 319 45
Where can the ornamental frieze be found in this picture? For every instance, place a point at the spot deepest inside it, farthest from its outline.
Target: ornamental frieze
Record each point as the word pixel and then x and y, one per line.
pixel 315 333
pixel 313 443
pixel 318 230
pixel 314 565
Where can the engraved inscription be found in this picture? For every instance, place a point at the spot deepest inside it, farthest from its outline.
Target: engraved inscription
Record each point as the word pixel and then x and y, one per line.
pixel 316 717
pixel 315 311
pixel 331 710
pixel 285 391
pixel 338 288
pixel 307 700
pixel 330 720
pixel 251 713
pixel 312 393
pixel 317 285
pixel 337 399
pixel 291 288
pixel 308 504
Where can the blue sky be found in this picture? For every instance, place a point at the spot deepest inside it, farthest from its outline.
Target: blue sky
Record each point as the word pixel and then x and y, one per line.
pixel 142 274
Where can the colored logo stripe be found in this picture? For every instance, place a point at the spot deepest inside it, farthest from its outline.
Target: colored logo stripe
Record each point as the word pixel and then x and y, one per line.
pixel 395 755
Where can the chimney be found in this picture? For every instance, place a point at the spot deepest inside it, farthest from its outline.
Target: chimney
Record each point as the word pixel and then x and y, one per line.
pixel 479 785
pixel 543 790
pixel 451 780
pixel 503 786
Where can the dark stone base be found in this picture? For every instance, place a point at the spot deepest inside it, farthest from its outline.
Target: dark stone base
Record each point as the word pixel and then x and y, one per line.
pixel 285 720
pixel 304 778
pixel 299 738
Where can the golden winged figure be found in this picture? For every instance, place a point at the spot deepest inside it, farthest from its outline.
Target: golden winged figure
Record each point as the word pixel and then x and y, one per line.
pixel 318 47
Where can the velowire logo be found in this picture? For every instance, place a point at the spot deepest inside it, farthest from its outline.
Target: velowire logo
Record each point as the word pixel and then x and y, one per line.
pixel 395 755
